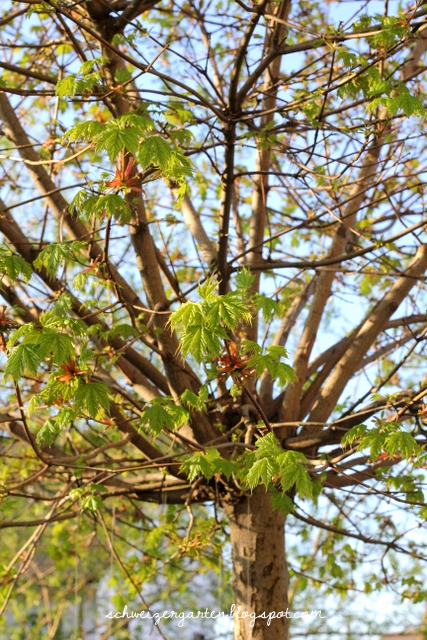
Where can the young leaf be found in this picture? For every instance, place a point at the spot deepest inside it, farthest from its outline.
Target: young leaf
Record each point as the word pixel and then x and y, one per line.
pixel 228 309
pixel 282 502
pixel 402 442
pixel 67 87
pixel 84 131
pixel 193 401
pixel 59 344
pixel 197 465
pixel 48 433
pixel 22 357
pixel 154 150
pixel 91 396
pixel 244 279
pixel 292 472
pixel 52 256
pixel 264 470
pixel 91 503
pixel 268 446
pixel 111 204
pixel 199 341
pixel 207 289
pixel 353 434
pixel 114 139
pixel 155 418
pixel 15 266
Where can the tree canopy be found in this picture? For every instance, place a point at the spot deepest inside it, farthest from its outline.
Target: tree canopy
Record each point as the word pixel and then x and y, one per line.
pixel 213 264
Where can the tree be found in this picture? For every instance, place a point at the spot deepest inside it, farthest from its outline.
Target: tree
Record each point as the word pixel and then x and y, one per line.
pixel 242 178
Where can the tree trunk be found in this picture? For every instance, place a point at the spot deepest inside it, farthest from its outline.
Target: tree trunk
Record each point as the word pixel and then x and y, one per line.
pixel 260 575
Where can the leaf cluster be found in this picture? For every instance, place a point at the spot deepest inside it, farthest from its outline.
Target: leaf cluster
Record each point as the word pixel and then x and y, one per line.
pixel 83 81
pixel 270 465
pixel 206 324
pixel 386 438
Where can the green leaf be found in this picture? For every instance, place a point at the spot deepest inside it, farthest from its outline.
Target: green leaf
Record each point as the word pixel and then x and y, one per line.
pixel 410 105
pixel 260 363
pixel 113 140
pixel 402 442
pixel 124 330
pixel 33 405
pixel 282 502
pixel 354 434
pixel 268 446
pixel 84 131
pixel 264 470
pixel 193 401
pixel 80 280
pixel 223 466
pixel 292 472
pixel 244 280
pixel 374 441
pixel 122 75
pixel 251 346
pixel 59 344
pixel 268 306
pixel 91 397
pixel 88 65
pixel 204 393
pixel 78 202
pixel 299 477
pixel 91 503
pixel 48 433
pixel 280 371
pixel 56 319
pixel 207 289
pixel 23 357
pixel 67 87
pixel 187 314
pixel 180 192
pixel 23 330
pixel 178 414
pixel 65 417
pixel 155 418
pixel 154 150
pixel 236 391
pixel 349 59
pixel 141 124
pixel 42 6
pixel 198 465
pixel 111 204
pixel 15 266
pixel 277 351
pixel 52 256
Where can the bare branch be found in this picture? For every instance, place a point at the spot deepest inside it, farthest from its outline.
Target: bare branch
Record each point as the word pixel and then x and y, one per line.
pixel 291 403
pixel 194 224
pixel 372 326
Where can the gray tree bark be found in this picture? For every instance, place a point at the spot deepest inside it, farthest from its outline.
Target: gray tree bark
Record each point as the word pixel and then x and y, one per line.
pixel 260 574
